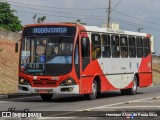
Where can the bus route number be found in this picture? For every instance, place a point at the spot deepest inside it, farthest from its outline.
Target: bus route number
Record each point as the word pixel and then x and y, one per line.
pixel 34 66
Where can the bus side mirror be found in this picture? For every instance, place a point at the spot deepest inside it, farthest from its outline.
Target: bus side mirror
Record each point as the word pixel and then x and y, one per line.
pixel 16 47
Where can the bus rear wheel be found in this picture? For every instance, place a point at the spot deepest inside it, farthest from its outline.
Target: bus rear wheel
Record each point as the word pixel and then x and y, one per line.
pixel 46 97
pixel 131 91
pixel 93 95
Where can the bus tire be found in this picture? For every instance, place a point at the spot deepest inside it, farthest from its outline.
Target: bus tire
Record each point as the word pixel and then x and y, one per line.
pixel 131 91
pixel 93 95
pixel 46 97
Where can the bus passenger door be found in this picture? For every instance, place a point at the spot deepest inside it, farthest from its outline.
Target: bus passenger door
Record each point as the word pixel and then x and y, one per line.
pixel 77 59
pixel 85 60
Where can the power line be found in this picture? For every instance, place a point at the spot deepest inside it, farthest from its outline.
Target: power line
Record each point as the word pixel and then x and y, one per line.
pixel 55 7
pixel 122 21
pixel 116 5
pixel 119 20
pixel 114 19
pixel 136 18
pixel 56 11
pixel 57 15
pixel 135 24
pixel 85 9
pixel 100 18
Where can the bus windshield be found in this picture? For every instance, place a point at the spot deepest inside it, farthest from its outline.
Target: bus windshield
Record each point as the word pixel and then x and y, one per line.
pixel 47 55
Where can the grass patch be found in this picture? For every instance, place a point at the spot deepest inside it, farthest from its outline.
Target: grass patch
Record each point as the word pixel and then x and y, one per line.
pixel 156 78
pixel 156 74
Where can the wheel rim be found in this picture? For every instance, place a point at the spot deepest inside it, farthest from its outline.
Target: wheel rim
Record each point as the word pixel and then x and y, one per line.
pixel 134 85
pixel 94 89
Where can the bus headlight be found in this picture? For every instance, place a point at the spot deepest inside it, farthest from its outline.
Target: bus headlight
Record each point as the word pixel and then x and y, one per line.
pixel 23 81
pixel 67 82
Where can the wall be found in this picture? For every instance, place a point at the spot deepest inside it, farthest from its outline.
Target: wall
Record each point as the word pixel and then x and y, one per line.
pixel 8 35
pixel 156 59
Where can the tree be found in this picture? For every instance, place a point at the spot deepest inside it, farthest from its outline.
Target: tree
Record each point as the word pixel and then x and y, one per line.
pixel 79 21
pixel 8 20
pixel 41 19
pixel 34 18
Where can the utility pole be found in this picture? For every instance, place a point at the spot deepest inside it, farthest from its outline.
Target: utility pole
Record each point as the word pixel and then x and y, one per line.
pixel 109 14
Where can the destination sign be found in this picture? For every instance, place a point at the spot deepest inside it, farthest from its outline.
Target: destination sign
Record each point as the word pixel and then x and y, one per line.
pixel 50 30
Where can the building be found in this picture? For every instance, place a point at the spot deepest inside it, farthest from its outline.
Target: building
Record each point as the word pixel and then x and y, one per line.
pixel 152 44
pixel 114 26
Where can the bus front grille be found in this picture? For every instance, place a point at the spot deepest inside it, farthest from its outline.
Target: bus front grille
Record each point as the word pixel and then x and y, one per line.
pixel 44 82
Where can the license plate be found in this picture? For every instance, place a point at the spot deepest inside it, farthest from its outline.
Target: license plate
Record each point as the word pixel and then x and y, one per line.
pixel 43 91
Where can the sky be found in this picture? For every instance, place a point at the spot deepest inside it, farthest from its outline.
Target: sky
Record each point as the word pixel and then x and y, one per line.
pixel 130 14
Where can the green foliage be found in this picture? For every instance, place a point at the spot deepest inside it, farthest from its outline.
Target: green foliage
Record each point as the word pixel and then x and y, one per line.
pixel 8 20
pixel 39 19
pixel 79 21
pixel 34 18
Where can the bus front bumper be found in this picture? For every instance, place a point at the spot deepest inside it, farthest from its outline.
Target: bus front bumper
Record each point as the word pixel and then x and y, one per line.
pixel 73 89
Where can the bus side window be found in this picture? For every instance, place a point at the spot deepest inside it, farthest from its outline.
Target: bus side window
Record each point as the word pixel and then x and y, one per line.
pixel 139 47
pixel 115 46
pixel 96 46
pixel 146 44
pixel 124 46
pixel 85 47
pixel 132 47
pixel 106 48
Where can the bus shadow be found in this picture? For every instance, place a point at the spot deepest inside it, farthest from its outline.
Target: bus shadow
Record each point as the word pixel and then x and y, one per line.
pixel 70 98
pixel 77 98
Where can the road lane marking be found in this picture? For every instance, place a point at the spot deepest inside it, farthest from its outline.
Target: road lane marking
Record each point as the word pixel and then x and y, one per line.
pixel 135 107
pixel 156 97
pixel 62 114
pixel 148 101
pixel 52 118
pixel 101 107
pixel 107 106
pixel 2 102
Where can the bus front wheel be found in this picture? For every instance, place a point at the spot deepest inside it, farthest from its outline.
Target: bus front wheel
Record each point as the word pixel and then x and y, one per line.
pixel 93 95
pixel 46 97
pixel 131 91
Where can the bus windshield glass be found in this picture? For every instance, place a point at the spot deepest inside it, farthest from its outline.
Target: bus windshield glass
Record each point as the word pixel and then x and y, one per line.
pixel 47 55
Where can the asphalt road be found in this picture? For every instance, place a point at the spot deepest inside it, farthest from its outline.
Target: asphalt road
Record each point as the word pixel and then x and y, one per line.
pixel 146 99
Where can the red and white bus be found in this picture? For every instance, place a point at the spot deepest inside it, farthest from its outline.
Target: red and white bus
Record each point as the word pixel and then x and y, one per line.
pixel 70 58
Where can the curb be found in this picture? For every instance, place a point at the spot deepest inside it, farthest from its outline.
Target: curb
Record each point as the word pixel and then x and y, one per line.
pixel 15 95
pixel 3 97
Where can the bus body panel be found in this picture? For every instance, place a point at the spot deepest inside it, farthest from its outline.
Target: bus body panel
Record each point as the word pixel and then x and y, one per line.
pixel 145 72
pixel 114 73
